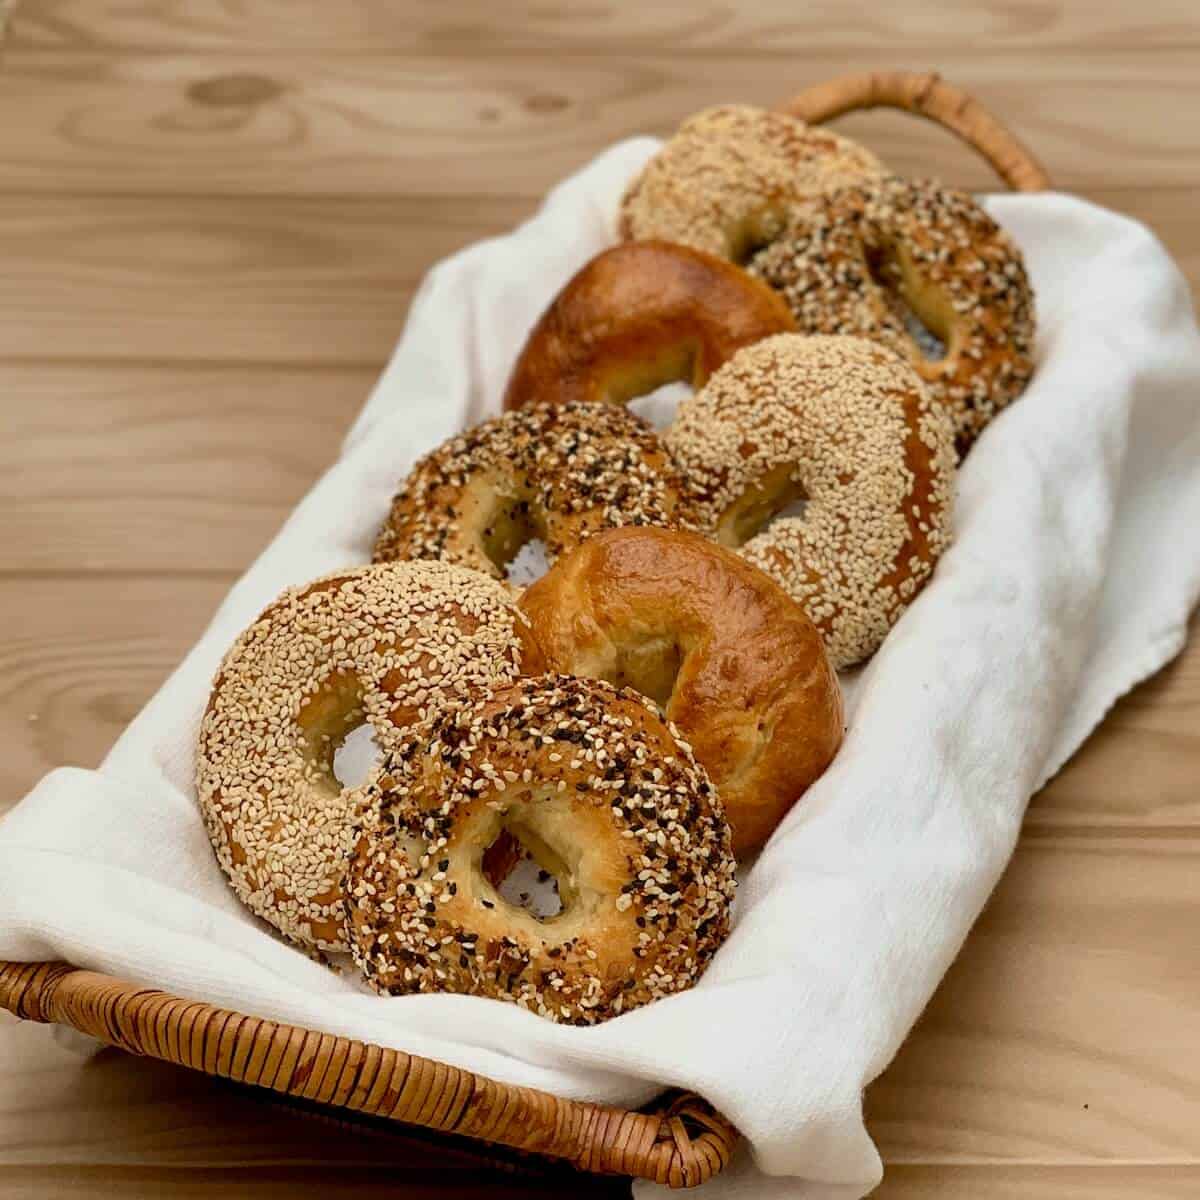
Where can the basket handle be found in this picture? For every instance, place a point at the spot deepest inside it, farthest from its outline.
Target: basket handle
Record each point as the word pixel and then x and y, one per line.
pixel 927 95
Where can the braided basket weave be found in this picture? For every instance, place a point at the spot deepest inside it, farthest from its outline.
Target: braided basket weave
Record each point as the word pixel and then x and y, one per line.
pixel 682 1142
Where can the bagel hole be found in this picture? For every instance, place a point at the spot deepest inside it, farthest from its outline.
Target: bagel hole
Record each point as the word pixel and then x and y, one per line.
pixel 756 232
pixel 774 497
pixel 512 540
pixel 357 756
pixel 650 666
pixel 653 385
pixel 330 717
pixel 529 564
pixel 927 329
pixel 658 408
pixel 744 254
pixel 522 874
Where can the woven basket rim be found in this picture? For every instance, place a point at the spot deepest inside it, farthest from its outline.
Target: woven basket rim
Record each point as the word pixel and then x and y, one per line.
pixel 681 1143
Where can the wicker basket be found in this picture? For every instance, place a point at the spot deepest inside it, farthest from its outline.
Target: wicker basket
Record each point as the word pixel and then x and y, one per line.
pixel 682 1141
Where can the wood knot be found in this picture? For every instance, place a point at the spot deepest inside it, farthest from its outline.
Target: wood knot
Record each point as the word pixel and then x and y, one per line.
pixel 238 90
pixel 545 102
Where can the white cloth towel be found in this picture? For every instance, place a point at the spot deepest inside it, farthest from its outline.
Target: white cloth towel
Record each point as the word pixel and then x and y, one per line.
pixel 1074 570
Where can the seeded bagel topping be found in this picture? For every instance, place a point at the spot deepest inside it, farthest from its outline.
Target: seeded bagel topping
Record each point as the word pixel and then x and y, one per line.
pixel 730 176
pixel 859 257
pixel 609 796
pixel 558 473
pixel 382 645
pixel 848 427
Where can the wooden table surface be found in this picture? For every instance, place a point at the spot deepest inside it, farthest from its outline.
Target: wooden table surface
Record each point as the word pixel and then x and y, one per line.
pixel 212 218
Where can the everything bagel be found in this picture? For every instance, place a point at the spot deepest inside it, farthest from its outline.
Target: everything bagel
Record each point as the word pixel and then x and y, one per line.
pixel 558 474
pixel 602 793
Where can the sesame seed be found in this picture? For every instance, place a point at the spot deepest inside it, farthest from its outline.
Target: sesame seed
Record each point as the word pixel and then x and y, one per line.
pixel 354 647
pixel 847 261
pixel 848 426
pixel 730 176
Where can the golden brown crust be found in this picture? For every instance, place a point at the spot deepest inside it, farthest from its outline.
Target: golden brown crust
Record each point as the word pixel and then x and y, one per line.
pixel 842 267
pixel 379 645
pixel 731 177
pixel 846 426
pixel 638 316
pixel 749 683
pixel 558 474
pixel 603 793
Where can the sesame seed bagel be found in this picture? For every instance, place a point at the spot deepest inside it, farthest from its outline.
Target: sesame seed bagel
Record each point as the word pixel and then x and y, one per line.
pixel 730 658
pixel 558 474
pixel 846 426
pixel 730 177
pixel 603 794
pixel 381 645
pixel 640 315
pixel 844 265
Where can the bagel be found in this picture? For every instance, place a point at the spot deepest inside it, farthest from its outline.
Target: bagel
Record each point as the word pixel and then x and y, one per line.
pixel 727 655
pixel 862 254
pixel 638 316
pixel 847 427
pixel 731 177
pixel 381 645
pixel 603 794
pixel 558 474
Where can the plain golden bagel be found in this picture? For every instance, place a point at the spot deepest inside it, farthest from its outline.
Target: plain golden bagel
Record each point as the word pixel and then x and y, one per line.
pixel 603 794
pixel 554 473
pixel 382 645
pixel 864 254
pixel 638 316
pixel 845 427
pixel 730 659
pixel 732 177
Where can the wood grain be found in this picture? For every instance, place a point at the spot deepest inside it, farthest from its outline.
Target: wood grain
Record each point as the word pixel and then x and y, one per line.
pixel 1118 1181
pixel 79 659
pixel 245 278
pixel 201 487
pixel 286 1183
pixel 1121 1182
pixel 310 124
pixel 1060 1034
pixel 768 27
